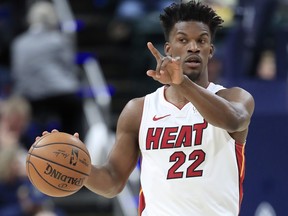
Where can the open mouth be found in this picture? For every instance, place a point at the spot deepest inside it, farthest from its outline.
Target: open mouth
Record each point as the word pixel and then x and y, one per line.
pixel 193 61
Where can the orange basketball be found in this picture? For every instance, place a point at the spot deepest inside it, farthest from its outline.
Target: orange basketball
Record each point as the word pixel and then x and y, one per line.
pixel 58 164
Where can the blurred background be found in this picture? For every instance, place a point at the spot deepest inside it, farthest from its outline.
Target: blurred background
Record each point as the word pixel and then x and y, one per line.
pixel 73 65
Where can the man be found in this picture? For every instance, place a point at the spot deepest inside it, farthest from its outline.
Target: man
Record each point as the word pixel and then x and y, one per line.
pixel 189 134
pixel 44 72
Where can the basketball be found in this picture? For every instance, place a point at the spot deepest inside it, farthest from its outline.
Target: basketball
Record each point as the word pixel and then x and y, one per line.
pixel 58 164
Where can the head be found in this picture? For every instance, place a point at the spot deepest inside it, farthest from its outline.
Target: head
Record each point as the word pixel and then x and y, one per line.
pixel 189 29
pixel 190 11
pixel 43 13
pixel 15 114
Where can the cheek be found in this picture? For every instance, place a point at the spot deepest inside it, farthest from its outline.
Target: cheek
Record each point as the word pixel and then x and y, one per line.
pixel 206 54
pixel 177 49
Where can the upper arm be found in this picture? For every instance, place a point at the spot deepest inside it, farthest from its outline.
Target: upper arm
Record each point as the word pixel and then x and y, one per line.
pixel 125 152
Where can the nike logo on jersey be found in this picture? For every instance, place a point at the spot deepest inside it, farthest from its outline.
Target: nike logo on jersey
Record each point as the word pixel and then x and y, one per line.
pixel 160 117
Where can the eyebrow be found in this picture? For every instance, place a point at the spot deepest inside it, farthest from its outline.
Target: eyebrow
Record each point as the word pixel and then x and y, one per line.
pixel 201 35
pixel 204 34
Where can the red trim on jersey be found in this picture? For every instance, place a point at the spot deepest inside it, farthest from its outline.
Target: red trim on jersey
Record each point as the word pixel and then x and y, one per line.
pixel 240 156
pixel 141 205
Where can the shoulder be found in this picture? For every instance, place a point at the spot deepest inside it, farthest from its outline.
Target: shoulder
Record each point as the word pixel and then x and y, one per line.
pixel 235 93
pixel 133 108
pixel 239 96
pixel 135 103
pixel 131 115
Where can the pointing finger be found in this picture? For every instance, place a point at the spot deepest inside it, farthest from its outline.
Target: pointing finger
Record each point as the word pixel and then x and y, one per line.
pixel 154 52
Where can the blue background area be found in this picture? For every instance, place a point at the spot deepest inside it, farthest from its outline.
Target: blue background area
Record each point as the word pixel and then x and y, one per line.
pixel 267 148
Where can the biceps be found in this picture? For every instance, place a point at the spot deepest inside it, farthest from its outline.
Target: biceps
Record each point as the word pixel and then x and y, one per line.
pixel 123 157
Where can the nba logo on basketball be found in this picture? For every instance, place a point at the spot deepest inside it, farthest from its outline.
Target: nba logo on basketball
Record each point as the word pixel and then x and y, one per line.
pixel 74 157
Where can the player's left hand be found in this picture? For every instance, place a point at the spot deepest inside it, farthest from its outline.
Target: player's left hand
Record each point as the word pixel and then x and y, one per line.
pixel 168 69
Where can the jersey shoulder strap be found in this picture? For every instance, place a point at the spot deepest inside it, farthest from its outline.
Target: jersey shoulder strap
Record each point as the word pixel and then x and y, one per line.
pixel 215 87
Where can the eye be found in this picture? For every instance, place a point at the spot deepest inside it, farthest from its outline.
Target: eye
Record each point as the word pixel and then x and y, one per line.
pixel 202 41
pixel 182 40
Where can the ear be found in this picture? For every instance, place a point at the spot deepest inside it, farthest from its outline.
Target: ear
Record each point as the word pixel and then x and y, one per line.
pixel 167 49
pixel 212 50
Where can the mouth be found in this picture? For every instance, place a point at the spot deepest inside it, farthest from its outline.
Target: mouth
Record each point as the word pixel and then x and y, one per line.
pixel 193 61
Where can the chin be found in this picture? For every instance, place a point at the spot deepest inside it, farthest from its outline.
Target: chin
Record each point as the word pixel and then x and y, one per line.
pixel 193 74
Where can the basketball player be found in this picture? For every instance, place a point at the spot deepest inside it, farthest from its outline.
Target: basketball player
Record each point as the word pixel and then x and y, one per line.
pixel 189 134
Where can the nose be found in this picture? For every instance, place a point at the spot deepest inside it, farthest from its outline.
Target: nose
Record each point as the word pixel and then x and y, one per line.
pixel 192 47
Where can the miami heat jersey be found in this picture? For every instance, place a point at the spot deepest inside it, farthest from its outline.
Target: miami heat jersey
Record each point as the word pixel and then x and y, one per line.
pixel 188 166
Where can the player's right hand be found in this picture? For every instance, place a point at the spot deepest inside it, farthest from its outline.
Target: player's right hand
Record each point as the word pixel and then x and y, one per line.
pixel 53 131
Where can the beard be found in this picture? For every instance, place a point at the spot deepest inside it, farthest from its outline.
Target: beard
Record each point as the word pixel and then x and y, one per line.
pixel 193 75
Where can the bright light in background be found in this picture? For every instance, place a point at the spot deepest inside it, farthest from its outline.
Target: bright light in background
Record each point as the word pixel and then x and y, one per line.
pixel 69 26
pixel 265 209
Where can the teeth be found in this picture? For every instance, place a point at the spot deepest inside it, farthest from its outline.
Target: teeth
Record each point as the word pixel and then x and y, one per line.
pixel 193 60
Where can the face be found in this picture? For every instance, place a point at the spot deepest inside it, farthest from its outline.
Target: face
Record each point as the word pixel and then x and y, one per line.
pixel 15 123
pixel 191 41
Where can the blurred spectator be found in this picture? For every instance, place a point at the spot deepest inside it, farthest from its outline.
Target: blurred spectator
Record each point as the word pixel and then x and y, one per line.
pixel 251 34
pixel 18 197
pixel 266 69
pixel 15 114
pixel 139 8
pixel 225 8
pixel 129 14
pixel 215 68
pixel 44 71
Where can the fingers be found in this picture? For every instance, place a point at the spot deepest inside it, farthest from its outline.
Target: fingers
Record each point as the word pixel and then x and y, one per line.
pixel 55 131
pixel 158 57
pixel 45 133
pixel 154 51
pixel 150 73
pixel 166 60
pixel 177 58
pixel 166 66
pixel 168 71
pixel 76 135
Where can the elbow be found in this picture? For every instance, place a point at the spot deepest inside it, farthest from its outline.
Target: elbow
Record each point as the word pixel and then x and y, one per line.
pixel 239 124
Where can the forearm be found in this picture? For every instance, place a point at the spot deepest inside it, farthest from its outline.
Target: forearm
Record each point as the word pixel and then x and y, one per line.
pixel 102 181
pixel 215 109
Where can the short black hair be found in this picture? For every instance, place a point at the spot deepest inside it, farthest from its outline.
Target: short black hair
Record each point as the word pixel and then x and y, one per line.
pixel 190 11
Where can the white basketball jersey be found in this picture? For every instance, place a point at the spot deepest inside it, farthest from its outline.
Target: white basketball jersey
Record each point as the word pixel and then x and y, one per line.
pixel 188 166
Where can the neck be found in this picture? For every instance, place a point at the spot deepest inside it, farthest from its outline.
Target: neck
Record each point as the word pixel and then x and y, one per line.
pixel 172 96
